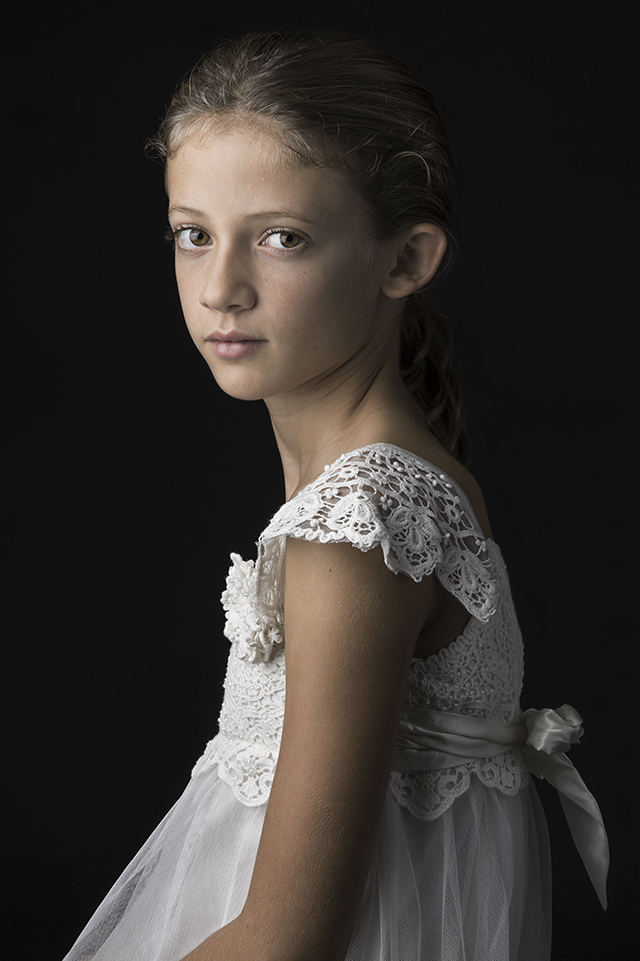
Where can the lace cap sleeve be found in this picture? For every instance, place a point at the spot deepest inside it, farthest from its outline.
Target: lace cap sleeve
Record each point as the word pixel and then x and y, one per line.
pixel 382 495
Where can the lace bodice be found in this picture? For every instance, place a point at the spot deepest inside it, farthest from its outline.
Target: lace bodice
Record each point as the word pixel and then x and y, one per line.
pixel 377 495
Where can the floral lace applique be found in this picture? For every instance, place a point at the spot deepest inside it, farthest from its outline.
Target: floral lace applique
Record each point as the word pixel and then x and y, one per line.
pixel 254 634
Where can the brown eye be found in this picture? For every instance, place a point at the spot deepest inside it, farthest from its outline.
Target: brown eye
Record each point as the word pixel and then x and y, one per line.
pixel 289 239
pixel 191 237
pixel 198 237
pixel 284 240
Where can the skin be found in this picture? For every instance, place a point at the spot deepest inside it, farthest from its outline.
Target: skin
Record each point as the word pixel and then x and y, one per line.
pixel 326 367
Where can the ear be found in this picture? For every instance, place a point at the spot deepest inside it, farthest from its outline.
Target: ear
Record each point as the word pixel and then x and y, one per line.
pixel 416 257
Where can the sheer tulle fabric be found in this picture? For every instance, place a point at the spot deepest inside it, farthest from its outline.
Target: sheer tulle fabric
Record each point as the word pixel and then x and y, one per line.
pixel 471 885
pixel 188 880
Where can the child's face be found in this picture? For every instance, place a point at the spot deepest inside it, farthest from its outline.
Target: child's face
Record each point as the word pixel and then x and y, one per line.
pixel 271 253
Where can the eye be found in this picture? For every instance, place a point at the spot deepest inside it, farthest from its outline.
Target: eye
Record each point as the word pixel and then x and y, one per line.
pixel 190 238
pixel 283 239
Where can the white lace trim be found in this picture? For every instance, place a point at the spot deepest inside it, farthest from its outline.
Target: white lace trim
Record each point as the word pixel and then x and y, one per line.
pixel 250 727
pixel 428 794
pixel 376 495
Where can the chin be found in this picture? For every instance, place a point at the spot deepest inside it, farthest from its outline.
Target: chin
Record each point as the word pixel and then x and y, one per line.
pixel 238 391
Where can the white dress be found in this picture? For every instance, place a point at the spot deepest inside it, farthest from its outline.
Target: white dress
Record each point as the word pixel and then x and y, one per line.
pixel 461 866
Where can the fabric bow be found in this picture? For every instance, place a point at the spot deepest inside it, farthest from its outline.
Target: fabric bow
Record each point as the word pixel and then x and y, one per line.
pixel 550 734
pixel 552 731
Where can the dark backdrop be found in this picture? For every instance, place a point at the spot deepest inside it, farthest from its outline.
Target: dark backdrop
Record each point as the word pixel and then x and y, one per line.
pixel 134 476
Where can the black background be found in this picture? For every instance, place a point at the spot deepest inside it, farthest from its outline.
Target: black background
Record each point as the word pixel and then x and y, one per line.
pixel 133 476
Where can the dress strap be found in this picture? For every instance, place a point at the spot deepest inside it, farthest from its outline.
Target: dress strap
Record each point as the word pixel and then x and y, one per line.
pixel 432 740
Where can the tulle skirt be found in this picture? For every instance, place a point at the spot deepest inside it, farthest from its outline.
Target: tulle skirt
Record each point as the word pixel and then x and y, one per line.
pixel 472 885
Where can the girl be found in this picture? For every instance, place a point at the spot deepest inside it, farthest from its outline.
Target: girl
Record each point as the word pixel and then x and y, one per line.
pixel 378 806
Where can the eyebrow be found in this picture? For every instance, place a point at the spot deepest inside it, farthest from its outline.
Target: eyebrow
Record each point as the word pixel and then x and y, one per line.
pixel 184 210
pixel 192 212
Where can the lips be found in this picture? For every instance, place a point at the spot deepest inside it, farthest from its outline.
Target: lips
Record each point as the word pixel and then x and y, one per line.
pixel 230 335
pixel 233 344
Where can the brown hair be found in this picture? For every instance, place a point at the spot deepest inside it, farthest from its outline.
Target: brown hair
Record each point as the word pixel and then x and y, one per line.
pixel 341 101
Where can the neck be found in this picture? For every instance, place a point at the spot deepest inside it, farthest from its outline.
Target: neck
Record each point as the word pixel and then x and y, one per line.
pixel 319 424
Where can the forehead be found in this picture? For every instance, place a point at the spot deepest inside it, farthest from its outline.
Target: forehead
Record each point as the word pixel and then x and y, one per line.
pixel 245 165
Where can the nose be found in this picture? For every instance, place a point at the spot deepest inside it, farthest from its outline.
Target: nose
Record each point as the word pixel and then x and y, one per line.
pixel 227 285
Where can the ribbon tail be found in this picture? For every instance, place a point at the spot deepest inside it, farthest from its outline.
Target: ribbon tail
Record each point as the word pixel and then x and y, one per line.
pixel 582 813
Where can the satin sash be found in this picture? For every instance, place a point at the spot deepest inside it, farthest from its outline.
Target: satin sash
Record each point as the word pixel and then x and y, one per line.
pixel 432 740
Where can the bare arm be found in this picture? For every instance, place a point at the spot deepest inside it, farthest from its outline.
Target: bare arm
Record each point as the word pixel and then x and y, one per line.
pixel 351 627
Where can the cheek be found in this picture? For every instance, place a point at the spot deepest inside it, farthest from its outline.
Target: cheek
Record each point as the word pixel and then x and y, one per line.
pixel 341 298
pixel 182 282
pixel 336 287
pixel 188 293
pixel 189 302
